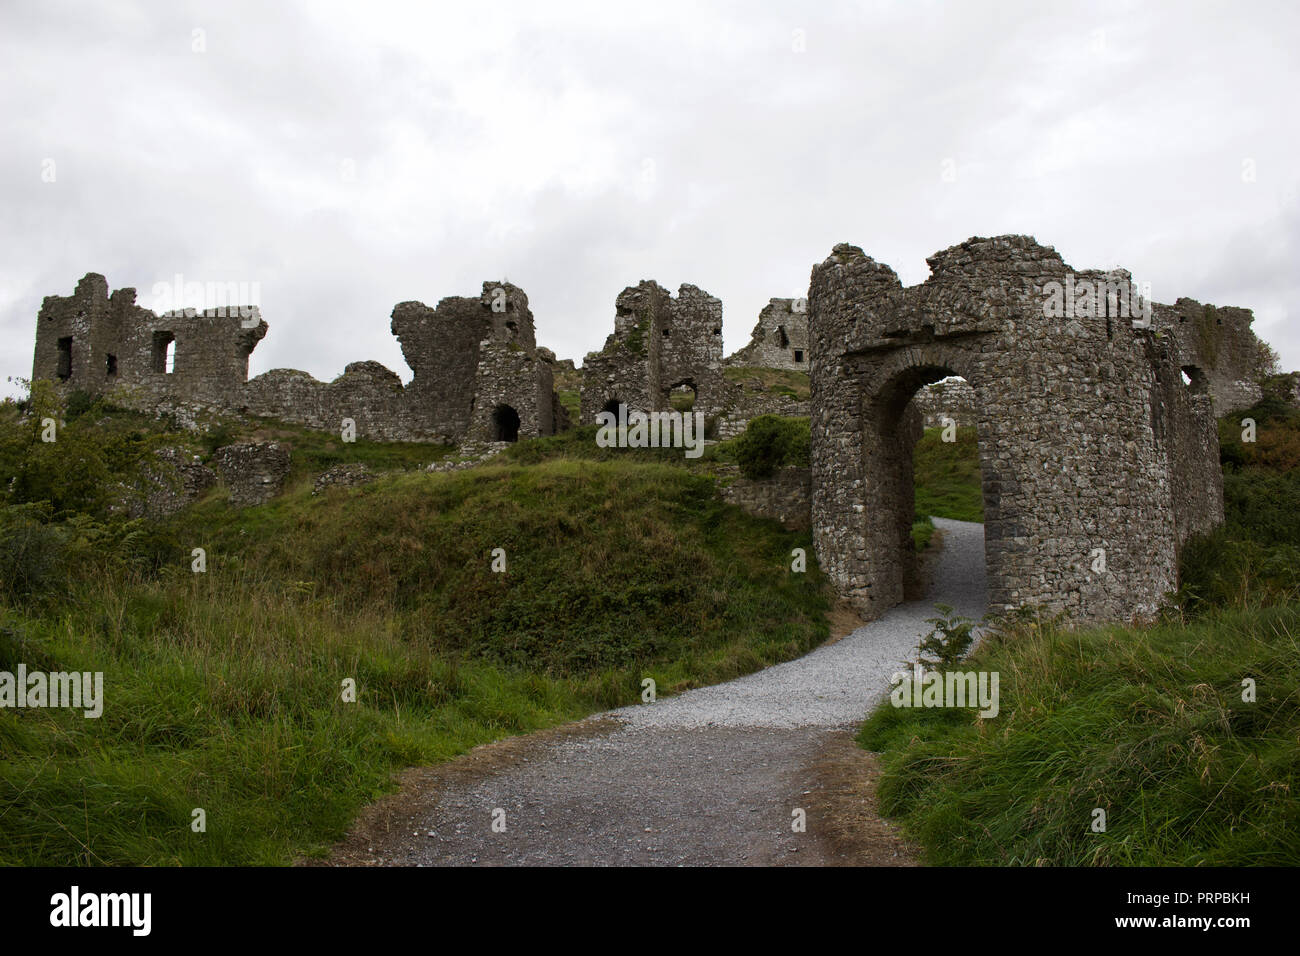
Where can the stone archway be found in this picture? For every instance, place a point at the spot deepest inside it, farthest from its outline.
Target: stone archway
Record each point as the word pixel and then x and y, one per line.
pixel 681 396
pixel 505 424
pixel 1086 431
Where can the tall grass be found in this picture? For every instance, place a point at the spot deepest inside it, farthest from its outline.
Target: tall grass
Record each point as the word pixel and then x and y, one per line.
pixel 1150 726
pixel 223 690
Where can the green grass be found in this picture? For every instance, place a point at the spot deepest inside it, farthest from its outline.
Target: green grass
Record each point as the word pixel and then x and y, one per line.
pixel 571 401
pixel 1148 725
pixel 223 689
pixel 793 384
pixel 922 532
pixel 947 476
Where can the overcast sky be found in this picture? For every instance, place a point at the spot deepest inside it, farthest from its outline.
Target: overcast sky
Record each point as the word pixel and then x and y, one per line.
pixel 346 157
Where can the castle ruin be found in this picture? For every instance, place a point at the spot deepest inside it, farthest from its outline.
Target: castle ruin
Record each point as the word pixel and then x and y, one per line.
pixel 1097 461
pixel 659 344
pixel 1097 436
pixel 478 374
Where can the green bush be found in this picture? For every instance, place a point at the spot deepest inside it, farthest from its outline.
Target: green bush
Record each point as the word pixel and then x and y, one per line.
pixel 33 556
pixel 771 442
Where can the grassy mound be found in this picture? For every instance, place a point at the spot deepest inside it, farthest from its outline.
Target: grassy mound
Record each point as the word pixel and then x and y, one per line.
pixel 225 690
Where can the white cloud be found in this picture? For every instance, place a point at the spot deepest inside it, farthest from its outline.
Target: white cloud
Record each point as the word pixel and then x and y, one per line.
pixel 350 156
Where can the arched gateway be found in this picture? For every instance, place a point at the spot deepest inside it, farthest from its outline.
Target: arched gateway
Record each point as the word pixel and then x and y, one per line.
pixel 1097 461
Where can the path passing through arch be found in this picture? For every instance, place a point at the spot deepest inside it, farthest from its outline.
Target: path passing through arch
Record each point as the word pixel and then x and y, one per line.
pixel 710 777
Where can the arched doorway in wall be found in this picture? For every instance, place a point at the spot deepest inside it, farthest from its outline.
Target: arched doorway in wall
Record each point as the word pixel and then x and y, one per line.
pixel 505 424
pixel 895 419
pixel 682 396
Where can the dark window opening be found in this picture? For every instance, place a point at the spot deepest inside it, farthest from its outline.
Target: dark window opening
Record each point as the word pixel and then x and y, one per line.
pixel 782 339
pixel 665 333
pixel 65 358
pixel 611 406
pixel 164 352
pixel 1195 380
pixel 512 326
pixel 798 355
pixel 505 423
pixel 110 364
pixel 717 331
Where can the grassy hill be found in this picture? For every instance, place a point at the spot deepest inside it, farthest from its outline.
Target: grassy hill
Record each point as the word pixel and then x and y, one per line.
pixel 224 690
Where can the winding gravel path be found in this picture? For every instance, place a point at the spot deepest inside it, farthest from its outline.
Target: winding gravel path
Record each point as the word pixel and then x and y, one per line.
pixel 713 776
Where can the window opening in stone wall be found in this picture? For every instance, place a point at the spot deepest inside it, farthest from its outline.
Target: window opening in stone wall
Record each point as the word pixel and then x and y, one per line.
pixel 164 352
pixel 682 397
pixel 65 358
pixel 110 364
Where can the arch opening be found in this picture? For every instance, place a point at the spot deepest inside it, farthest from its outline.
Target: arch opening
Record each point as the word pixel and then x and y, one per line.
pixel 922 460
pixel 682 396
pixel 505 423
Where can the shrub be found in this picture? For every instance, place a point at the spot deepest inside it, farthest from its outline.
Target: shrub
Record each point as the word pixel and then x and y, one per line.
pixel 771 442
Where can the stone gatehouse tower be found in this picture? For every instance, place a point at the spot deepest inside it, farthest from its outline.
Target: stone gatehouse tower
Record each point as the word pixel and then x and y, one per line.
pixel 1097 461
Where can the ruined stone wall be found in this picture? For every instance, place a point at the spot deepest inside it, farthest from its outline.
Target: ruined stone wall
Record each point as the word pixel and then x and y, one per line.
pixel 95 342
pixel 1217 348
pixel 690 349
pixel 779 340
pixel 659 342
pixel 1186 423
pixel 1075 467
pixel 469 356
pixel 785 497
pixel 954 400
pixel 745 402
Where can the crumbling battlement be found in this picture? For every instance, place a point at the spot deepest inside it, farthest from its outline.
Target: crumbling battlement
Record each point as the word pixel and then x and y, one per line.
pixel 1097 461
pixel 478 373
pixel 1215 348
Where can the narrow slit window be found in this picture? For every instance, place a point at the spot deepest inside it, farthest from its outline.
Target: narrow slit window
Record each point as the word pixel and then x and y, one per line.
pixel 65 358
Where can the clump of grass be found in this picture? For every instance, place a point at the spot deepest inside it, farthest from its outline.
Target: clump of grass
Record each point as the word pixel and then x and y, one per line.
pixel 1148 725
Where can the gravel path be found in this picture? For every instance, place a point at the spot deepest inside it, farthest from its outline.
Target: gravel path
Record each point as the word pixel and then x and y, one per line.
pixel 713 776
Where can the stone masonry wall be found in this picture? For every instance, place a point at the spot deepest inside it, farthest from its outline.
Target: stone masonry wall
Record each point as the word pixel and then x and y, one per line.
pixel 785 497
pixel 470 356
pixel 1218 350
pixel 659 342
pixel 779 340
pixel 1080 495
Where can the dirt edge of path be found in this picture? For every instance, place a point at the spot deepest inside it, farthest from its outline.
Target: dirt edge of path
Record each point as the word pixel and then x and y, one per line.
pixel 844 808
